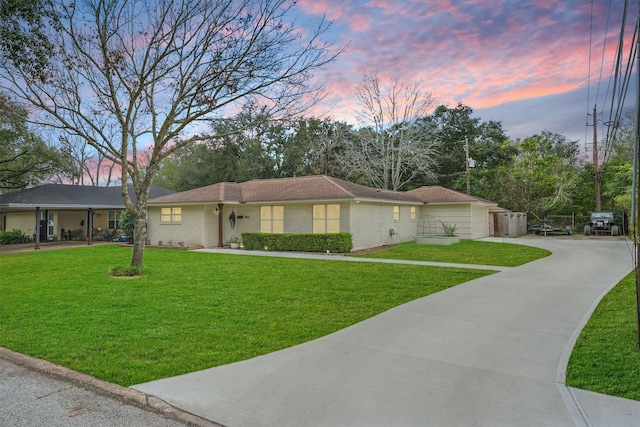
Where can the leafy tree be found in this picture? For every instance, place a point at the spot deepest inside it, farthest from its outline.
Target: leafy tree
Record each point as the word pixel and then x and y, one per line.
pixel 328 148
pixel 617 171
pixel 315 147
pixel 25 159
pixel 127 224
pixel 136 79
pixel 488 147
pixel 23 39
pixel 542 177
pixel 198 165
pixel 617 179
pixel 273 149
pixel 583 195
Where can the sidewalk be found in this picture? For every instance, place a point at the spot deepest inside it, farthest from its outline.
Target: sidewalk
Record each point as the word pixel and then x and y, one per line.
pixel 333 257
pixel 490 352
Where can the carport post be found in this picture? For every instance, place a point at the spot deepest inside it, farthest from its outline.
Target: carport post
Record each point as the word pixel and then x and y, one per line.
pixel 220 227
pixel 37 232
pixel 90 223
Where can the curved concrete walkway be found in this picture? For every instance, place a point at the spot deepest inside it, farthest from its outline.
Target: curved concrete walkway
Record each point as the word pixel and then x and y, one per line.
pixel 490 352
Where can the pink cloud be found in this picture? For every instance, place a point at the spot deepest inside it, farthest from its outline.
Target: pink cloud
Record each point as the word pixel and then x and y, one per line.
pixel 476 52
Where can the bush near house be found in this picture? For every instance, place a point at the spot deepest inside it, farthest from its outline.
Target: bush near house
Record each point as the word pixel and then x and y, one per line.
pixel 127 225
pixel 13 237
pixel 328 242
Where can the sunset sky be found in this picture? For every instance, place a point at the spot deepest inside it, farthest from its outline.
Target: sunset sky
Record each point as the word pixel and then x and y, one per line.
pixel 525 63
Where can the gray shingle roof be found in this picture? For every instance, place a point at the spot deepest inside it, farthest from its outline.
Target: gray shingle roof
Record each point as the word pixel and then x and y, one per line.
pixel 71 196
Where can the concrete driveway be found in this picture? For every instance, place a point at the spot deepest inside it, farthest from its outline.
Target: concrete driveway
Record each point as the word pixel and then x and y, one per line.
pixel 490 352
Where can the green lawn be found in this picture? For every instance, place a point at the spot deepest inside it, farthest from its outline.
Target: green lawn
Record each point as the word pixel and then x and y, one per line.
pixel 196 310
pixel 465 252
pixel 606 358
pixel 191 310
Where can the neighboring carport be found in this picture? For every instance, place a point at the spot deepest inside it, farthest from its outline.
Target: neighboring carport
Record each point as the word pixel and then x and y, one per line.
pixel 33 210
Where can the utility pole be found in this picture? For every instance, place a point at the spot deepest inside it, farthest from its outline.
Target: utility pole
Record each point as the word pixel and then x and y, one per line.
pixel 466 151
pixel 595 161
pixel 636 189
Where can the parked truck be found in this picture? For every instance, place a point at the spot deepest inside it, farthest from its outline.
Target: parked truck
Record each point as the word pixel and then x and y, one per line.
pixel 601 223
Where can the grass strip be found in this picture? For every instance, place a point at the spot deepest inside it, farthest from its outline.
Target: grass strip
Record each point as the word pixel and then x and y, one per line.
pixel 464 252
pixel 189 311
pixel 606 358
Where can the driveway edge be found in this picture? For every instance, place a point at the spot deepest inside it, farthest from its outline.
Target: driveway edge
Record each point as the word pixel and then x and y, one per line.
pixel 579 415
pixel 126 394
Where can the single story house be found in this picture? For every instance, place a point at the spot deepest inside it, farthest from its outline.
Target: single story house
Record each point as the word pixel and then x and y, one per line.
pixel 211 215
pixel 64 212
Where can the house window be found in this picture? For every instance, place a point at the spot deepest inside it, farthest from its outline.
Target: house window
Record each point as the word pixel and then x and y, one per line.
pixel 396 213
pixel 326 218
pixel 50 224
pixel 114 220
pixel 171 215
pixel 413 213
pixel 272 219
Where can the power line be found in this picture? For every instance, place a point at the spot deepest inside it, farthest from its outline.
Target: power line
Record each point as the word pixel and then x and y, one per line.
pixel 586 129
pixel 616 120
pixel 621 84
pixel 604 48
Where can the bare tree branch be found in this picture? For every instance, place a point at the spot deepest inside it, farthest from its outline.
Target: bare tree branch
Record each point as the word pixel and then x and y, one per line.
pixel 394 145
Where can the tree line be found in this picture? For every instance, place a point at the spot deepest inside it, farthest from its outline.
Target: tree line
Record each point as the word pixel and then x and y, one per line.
pixel 543 174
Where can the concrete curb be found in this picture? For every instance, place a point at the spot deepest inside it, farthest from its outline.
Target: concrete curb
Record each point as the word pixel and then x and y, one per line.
pixel 128 395
pixel 574 406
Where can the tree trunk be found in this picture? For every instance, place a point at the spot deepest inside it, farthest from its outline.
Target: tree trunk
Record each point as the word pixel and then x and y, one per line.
pixel 139 235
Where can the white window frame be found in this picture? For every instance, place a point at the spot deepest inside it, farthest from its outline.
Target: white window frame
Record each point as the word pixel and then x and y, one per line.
pixel 113 215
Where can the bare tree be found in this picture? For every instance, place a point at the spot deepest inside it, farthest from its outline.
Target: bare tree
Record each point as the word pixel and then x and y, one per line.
pixel 87 163
pixel 394 144
pixel 136 78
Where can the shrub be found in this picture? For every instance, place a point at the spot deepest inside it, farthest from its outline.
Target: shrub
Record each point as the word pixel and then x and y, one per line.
pixel 448 229
pixel 13 237
pixel 127 225
pixel 328 242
